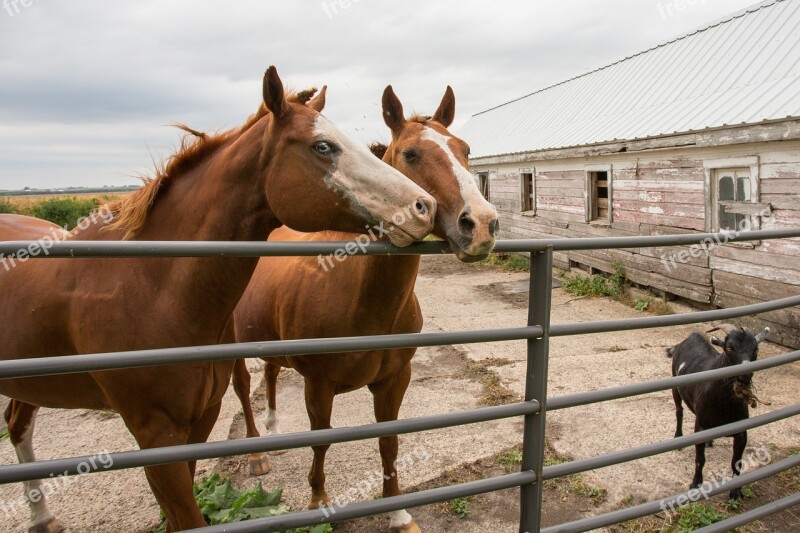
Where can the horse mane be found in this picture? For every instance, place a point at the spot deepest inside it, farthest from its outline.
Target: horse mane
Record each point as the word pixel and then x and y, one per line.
pixel 130 213
pixel 378 149
pixel 421 119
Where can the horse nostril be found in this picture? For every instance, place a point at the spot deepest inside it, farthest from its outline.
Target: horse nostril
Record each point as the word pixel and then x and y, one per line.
pixel 494 227
pixel 421 208
pixel 466 224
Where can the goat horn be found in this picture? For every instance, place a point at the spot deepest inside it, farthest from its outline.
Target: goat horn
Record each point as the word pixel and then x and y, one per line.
pixel 763 335
pixel 727 328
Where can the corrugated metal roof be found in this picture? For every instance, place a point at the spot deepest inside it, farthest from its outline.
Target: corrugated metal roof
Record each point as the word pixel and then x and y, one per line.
pixel 743 69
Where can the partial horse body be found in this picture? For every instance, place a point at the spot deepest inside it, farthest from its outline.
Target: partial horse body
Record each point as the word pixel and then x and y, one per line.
pixel 305 297
pixel 286 165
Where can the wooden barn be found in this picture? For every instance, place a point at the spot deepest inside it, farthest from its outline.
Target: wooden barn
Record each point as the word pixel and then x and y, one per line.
pixel 698 134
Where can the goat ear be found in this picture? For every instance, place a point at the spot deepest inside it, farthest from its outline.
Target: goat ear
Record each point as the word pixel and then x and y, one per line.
pixel 716 341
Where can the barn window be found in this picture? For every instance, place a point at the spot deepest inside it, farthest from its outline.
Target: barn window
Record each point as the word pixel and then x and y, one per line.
pixel 528 204
pixel 598 195
pixel 732 200
pixel 734 189
pixel 483 184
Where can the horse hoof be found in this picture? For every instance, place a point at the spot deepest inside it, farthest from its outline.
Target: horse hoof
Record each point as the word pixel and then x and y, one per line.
pixel 411 527
pixel 50 526
pixel 259 464
pixel 316 503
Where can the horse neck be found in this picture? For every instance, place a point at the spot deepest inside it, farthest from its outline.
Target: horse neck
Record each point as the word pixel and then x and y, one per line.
pixel 220 198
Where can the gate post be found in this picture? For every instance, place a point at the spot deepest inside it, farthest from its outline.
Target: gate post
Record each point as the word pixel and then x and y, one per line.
pixel 533 440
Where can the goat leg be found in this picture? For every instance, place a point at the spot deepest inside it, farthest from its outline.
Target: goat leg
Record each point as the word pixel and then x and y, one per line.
pixel 739 444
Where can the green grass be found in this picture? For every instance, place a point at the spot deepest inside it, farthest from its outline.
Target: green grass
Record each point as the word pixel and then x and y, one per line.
pixel 613 286
pixel 4 435
pixel 6 206
pixel 460 507
pixel 222 503
pixel 513 262
pixel 695 516
pixel 64 211
pixel 510 458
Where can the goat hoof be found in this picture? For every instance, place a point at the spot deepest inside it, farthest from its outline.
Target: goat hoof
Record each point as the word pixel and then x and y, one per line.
pixel 736 494
pixel 259 464
pixel 48 526
pixel 411 527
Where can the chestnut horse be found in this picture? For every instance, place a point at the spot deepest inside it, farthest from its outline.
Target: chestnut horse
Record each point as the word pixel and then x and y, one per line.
pixel 286 165
pixel 303 297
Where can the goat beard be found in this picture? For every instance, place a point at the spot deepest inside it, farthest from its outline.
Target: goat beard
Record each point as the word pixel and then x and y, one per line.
pixel 748 394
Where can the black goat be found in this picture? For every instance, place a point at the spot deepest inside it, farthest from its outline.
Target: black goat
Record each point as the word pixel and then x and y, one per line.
pixel 716 403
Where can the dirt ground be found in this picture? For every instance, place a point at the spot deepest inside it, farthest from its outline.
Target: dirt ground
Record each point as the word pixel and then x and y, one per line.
pixel 453 296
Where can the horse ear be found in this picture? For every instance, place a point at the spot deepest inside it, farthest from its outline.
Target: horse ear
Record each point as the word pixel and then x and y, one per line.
pixel 447 108
pixel 274 97
pixel 392 110
pixel 318 102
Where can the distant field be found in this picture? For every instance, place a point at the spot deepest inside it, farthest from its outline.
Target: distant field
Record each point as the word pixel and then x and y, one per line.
pixel 25 202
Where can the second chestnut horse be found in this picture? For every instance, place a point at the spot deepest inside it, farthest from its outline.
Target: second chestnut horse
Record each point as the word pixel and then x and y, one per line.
pixel 306 297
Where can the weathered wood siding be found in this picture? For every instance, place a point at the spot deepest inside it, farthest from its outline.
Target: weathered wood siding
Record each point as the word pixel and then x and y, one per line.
pixel 663 192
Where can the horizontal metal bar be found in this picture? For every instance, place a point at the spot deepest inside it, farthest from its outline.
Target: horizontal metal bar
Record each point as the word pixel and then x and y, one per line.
pixel 384 505
pixel 70 364
pixel 191 452
pixel 605 326
pixel 631 454
pixel 751 516
pixel 277 248
pixel 638 389
pixel 652 507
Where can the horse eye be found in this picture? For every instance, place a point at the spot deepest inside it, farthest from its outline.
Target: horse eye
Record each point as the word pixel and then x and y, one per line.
pixel 323 148
pixel 410 156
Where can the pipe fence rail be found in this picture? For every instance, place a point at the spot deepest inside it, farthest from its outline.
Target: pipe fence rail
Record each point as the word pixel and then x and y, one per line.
pixel 533 408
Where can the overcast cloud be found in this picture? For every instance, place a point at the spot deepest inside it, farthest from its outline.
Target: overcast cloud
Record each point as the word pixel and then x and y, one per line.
pixel 87 87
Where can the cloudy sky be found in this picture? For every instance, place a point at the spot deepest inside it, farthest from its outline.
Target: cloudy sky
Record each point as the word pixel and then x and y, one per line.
pixel 87 88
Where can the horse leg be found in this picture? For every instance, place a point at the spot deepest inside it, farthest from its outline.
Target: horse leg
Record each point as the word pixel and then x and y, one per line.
pixel 259 462
pixel 271 372
pixel 172 483
pixel 202 429
pixel 387 397
pixel 739 444
pixel 319 404
pixel 21 419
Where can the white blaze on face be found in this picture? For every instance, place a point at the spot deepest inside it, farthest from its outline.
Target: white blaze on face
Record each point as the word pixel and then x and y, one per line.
pixel 473 199
pixel 680 368
pixel 370 184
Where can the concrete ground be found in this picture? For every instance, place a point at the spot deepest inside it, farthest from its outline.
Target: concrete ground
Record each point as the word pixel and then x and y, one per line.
pixel 453 296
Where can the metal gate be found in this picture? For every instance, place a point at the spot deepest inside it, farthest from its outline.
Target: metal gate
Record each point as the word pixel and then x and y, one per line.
pixel 533 408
